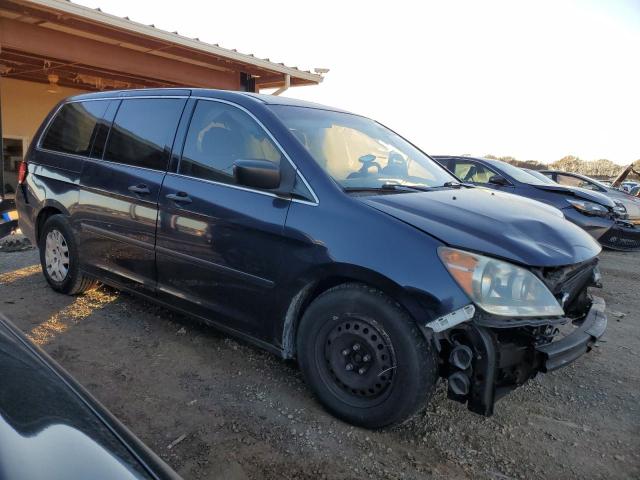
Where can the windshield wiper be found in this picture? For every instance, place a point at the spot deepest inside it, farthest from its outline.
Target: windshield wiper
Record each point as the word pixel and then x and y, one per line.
pixel 404 188
pixel 399 187
pixel 419 188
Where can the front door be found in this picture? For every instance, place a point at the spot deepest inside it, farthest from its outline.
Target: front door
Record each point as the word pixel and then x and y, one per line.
pixel 219 244
pixel 120 188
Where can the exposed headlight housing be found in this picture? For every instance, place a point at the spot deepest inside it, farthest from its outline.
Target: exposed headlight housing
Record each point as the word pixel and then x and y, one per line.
pixel 498 287
pixel 589 208
pixel 620 210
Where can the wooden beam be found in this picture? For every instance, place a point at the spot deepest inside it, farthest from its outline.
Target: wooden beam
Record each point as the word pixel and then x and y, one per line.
pixel 28 63
pixel 49 43
pixel 276 81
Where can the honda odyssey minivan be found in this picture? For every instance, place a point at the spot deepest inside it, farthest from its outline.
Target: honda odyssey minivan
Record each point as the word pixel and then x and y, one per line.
pixel 316 234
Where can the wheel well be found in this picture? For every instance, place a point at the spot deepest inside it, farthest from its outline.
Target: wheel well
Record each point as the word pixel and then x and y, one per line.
pixel 303 299
pixel 43 216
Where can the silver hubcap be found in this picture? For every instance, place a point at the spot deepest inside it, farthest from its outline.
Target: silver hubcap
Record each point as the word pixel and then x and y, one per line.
pixel 56 256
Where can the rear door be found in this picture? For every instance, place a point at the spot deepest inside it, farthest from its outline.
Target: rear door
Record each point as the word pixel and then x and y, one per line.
pixel 120 188
pixel 219 244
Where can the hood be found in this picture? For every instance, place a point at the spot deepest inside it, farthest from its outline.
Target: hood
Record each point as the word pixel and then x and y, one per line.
pixel 578 192
pixel 498 224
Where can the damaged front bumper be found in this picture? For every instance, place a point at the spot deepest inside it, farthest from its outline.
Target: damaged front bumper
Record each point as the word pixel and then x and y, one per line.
pixel 564 351
pixel 624 236
pixel 482 364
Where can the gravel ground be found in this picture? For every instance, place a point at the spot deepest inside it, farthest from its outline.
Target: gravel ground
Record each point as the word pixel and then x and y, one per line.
pixel 215 408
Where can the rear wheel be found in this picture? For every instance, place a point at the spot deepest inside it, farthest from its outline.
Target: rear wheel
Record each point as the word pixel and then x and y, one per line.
pixel 364 357
pixel 60 259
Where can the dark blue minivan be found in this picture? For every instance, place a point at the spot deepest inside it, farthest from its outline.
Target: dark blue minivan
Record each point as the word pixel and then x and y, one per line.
pixel 314 233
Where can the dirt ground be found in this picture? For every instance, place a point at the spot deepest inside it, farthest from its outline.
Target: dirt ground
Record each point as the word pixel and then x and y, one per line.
pixel 215 408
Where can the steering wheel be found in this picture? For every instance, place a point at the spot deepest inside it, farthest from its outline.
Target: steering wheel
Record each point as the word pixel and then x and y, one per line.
pixel 367 161
pixel 472 171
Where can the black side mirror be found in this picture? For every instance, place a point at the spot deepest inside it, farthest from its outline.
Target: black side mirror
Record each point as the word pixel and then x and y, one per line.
pixel 498 180
pixel 257 174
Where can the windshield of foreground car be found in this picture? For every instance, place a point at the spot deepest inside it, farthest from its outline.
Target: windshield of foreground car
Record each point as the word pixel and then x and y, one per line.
pixel 359 153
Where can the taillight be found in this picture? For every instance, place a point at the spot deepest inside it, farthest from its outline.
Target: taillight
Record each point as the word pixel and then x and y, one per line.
pixel 22 172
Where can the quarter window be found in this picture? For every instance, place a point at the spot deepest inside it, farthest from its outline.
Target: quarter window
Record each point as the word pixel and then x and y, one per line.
pixel 143 131
pixel 220 134
pixel 72 129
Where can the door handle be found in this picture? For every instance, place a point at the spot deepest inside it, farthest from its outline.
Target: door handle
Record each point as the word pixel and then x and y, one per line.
pixel 139 189
pixel 180 197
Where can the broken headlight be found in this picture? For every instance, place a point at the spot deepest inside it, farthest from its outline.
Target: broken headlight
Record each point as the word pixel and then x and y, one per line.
pixel 620 210
pixel 589 208
pixel 498 287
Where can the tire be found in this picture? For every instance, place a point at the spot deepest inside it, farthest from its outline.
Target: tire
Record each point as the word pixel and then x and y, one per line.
pixel 338 330
pixel 61 263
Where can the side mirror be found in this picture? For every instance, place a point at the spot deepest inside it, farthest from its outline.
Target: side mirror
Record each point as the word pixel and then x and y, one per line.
pixel 257 174
pixel 498 180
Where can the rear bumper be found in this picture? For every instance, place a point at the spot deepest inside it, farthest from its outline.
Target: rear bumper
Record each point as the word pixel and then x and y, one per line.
pixel 561 353
pixel 26 214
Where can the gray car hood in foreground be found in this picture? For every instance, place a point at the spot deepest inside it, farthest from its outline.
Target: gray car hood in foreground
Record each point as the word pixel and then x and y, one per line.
pixel 498 224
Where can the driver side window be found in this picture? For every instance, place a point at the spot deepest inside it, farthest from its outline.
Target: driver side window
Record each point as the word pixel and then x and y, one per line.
pixel 219 134
pixel 472 172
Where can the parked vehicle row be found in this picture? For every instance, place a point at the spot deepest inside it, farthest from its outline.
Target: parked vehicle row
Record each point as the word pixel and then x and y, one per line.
pixel 628 186
pixel 605 218
pixel 317 234
pixel 632 205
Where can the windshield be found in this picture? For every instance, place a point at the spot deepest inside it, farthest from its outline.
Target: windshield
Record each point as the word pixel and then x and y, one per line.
pixel 359 153
pixel 516 173
pixel 598 183
pixel 540 176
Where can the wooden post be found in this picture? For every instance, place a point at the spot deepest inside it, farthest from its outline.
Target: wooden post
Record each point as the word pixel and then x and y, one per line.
pixel 1 149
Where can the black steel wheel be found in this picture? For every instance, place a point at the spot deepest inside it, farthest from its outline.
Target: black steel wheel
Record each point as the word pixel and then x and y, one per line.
pixel 360 358
pixel 364 357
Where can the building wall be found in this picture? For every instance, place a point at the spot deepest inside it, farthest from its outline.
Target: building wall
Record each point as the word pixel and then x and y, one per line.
pixel 25 104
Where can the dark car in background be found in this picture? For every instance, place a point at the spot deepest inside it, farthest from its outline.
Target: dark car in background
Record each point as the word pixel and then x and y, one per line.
pixel 314 233
pixel 8 216
pixel 596 213
pixel 631 203
pixel 51 428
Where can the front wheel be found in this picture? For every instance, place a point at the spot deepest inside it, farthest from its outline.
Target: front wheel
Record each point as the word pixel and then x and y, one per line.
pixel 60 258
pixel 364 357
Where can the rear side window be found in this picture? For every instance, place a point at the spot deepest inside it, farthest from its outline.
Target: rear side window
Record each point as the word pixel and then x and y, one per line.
pixel 219 134
pixel 142 132
pixel 73 128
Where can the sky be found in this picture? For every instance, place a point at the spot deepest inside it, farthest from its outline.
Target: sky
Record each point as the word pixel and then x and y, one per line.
pixel 533 80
